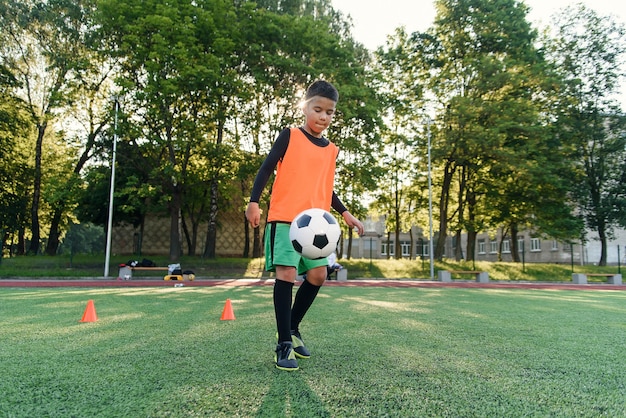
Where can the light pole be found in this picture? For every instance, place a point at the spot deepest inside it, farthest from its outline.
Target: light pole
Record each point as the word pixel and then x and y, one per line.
pixel 430 210
pixel 112 188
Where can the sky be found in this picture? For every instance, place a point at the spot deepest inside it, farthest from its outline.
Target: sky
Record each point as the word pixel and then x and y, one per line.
pixel 373 21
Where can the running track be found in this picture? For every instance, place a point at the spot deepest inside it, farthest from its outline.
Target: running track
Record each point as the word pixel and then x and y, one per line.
pixel 101 282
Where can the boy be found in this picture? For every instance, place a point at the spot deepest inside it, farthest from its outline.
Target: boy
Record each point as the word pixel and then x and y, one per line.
pixel 305 171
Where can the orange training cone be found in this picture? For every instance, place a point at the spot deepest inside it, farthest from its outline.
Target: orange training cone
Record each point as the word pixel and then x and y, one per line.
pixel 227 313
pixel 90 313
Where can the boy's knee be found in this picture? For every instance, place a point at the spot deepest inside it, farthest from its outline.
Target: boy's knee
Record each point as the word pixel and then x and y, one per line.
pixel 316 277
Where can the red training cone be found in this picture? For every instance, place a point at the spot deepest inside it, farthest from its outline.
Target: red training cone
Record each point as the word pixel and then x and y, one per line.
pixel 227 313
pixel 90 313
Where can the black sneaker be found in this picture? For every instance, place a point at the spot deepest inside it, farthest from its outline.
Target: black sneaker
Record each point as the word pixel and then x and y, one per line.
pixel 298 345
pixel 285 358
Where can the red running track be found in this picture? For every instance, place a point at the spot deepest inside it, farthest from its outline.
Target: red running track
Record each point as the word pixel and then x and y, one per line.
pixel 94 282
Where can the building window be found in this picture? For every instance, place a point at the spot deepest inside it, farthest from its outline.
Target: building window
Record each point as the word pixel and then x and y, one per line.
pixel 535 244
pixel 481 246
pixel 493 247
pixel 406 248
pixel 421 248
pixel 506 246
pixel 555 245
pixel 520 245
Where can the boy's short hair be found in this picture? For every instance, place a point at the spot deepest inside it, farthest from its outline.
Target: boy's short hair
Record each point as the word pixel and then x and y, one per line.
pixel 322 88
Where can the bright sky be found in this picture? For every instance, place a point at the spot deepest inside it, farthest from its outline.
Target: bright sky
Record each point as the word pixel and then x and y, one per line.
pixel 373 21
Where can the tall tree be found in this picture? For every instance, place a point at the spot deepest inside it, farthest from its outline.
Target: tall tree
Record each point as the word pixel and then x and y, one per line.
pixel 15 171
pixel 85 115
pixel 488 82
pixel 401 85
pixel 286 50
pixel 175 79
pixel 589 50
pixel 41 55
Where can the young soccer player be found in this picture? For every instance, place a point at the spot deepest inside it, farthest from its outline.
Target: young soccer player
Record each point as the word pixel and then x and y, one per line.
pixel 305 171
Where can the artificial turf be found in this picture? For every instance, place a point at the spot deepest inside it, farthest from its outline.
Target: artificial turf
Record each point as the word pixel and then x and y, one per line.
pixel 397 352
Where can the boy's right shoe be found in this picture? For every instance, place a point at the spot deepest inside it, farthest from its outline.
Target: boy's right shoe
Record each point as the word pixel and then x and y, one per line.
pixel 285 357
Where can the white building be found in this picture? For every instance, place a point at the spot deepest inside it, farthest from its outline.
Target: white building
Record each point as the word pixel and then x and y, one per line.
pixel 377 243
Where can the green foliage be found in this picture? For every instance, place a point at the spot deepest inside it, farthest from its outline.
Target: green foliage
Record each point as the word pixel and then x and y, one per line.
pixel 588 50
pixel 83 239
pixel 206 85
pixel 496 161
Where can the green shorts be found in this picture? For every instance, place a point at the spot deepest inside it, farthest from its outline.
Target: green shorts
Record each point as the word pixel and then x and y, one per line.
pixel 280 252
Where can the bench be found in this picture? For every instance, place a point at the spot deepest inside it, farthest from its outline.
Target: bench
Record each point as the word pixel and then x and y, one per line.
pixel 581 278
pixel 126 273
pixel 446 275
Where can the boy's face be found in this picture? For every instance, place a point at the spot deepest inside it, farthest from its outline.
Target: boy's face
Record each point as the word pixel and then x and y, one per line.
pixel 319 112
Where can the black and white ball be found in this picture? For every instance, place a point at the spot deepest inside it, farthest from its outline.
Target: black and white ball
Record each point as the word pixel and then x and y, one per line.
pixel 314 233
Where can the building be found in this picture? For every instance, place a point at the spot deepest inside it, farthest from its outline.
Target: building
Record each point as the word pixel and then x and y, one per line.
pixel 491 246
pixel 377 243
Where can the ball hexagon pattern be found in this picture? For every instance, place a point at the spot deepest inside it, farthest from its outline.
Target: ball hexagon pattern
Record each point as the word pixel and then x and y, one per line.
pixel 314 233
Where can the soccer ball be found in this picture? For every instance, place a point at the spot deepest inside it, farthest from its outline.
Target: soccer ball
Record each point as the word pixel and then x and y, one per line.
pixel 314 233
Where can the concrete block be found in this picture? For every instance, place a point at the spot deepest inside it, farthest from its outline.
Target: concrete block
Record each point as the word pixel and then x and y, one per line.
pixel 482 277
pixel 615 279
pixel 444 276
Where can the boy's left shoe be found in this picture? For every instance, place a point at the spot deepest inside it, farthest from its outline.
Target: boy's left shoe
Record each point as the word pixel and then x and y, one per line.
pixel 298 345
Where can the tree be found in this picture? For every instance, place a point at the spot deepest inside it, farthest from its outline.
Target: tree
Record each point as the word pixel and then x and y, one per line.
pixel 588 50
pixel 171 68
pixel 42 53
pixel 488 74
pixel 288 46
pixel 86 114
pixel 401 85
pixel 14 168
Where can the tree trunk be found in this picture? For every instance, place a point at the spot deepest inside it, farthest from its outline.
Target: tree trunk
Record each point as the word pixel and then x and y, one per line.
pixel 443 211
pixel 349 252
pixel 175 207
pixel 21 242
pixel 502 238
pixel 211 235
pixel 34 210
pixel 458 249
pixel 398 255
pixel 603 244
pixel 470 251
pixel 189 236
pixel 52 246
pixel 514 245
pixel 411 244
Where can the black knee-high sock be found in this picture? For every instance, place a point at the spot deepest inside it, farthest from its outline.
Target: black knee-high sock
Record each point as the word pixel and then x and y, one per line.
pixel 282 309
pixel 304 299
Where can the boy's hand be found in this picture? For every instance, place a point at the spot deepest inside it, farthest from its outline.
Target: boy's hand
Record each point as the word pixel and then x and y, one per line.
pixel 353 222
pixel 253 214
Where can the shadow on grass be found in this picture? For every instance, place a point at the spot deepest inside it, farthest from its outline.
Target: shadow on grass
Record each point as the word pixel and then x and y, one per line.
pixel 290 395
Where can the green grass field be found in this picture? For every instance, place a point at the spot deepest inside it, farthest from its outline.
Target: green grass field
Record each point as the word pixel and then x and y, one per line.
pixel 397 352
